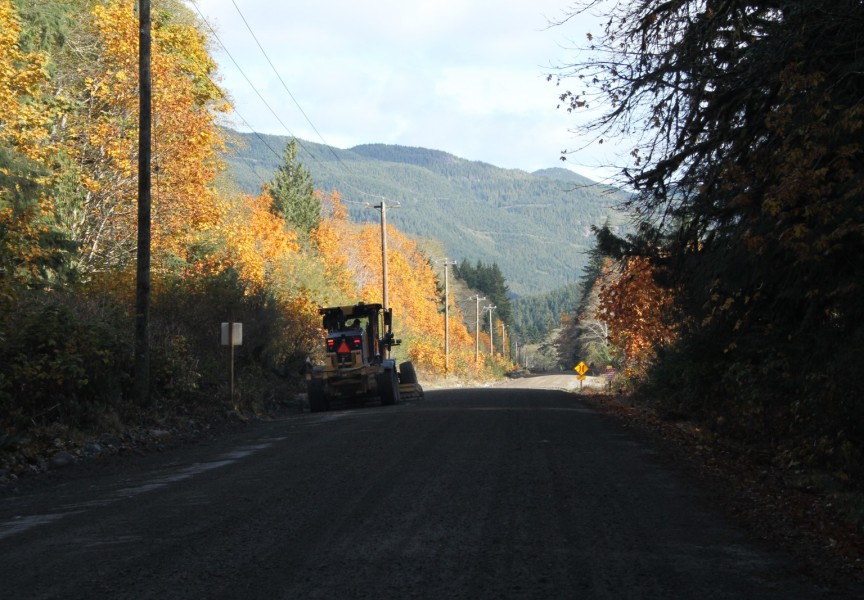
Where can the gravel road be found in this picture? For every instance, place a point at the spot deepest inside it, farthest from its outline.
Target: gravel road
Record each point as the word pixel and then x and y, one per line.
pixel 471 493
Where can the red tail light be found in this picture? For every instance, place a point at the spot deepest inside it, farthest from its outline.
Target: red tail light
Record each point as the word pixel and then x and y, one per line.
pixel 344 345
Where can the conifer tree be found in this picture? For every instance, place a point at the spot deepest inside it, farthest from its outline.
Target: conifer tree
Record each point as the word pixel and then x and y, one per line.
pixel 293 192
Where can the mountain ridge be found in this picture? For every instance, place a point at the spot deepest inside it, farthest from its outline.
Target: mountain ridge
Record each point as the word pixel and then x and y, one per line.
pixel 535 226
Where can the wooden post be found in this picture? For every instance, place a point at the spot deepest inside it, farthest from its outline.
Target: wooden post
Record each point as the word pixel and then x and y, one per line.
pixel 231 354
pixel 142 285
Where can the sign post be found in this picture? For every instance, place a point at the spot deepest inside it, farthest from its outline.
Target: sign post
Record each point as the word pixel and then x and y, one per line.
pixel 232 335
pixel 610 376
pixel 581 369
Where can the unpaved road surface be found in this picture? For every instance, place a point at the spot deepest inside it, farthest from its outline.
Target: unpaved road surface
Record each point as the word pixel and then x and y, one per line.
pixel 489 493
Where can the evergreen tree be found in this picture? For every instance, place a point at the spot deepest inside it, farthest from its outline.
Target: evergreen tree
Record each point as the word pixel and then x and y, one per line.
pixel 33 253
pixel 293 192
pixel 499 293
pixel 489 281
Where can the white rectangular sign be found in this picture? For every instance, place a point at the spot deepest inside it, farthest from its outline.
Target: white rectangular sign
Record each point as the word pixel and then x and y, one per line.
pixel 236 334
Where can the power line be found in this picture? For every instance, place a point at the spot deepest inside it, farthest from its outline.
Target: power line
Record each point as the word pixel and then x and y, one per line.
pixel 284 85
pixel 240 69
pixel 252 85
pixel 260 139
pixel 233 107
pixel 243 73
pixel 300 108
pixel 258 93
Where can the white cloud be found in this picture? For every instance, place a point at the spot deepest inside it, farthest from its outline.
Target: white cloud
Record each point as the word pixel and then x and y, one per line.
pixel 463 77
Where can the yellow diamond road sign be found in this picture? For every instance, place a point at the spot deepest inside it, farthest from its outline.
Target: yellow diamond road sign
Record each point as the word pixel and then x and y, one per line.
pixel 581 368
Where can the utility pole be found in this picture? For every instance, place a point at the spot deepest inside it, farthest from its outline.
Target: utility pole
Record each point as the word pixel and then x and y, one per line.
pixel 383 208
pixel 142 272
pixel 384 301
pixel 490 308
pixel 477 327
pixel 503 341
pixel 447 264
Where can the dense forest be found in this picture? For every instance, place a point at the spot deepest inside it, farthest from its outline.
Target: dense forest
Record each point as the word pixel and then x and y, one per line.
pixel 69 115
pixel 737 301
pixel 537 227
pixel 536 317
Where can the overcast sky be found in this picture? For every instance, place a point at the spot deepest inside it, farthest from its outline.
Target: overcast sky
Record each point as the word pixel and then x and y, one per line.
pixel 464 76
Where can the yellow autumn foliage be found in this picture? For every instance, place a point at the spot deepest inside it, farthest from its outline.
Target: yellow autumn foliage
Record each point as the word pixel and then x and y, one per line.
pixel 352 253
pixel 255 242
pixel 103 139
pixel 23 120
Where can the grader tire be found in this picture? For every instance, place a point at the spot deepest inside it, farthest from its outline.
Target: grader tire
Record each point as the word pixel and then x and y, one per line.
pixel 388 387
pixel 407 374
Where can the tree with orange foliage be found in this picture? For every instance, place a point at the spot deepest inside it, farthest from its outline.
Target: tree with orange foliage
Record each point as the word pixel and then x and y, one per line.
pixel 639 313
pixel 335 250
pixel 253 241
pixel 413 295
pixel 351 253
pixel 101 138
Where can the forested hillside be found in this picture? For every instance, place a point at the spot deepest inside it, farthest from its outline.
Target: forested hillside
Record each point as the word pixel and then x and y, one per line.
pixel 535 226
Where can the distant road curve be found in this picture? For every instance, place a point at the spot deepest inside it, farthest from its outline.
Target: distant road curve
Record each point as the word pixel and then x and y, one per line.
pixel 554 381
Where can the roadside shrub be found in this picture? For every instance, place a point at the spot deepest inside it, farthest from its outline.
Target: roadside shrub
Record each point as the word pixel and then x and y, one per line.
pixel 800 403
pixel 66 356
pixel 61 361
pixel 191 367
